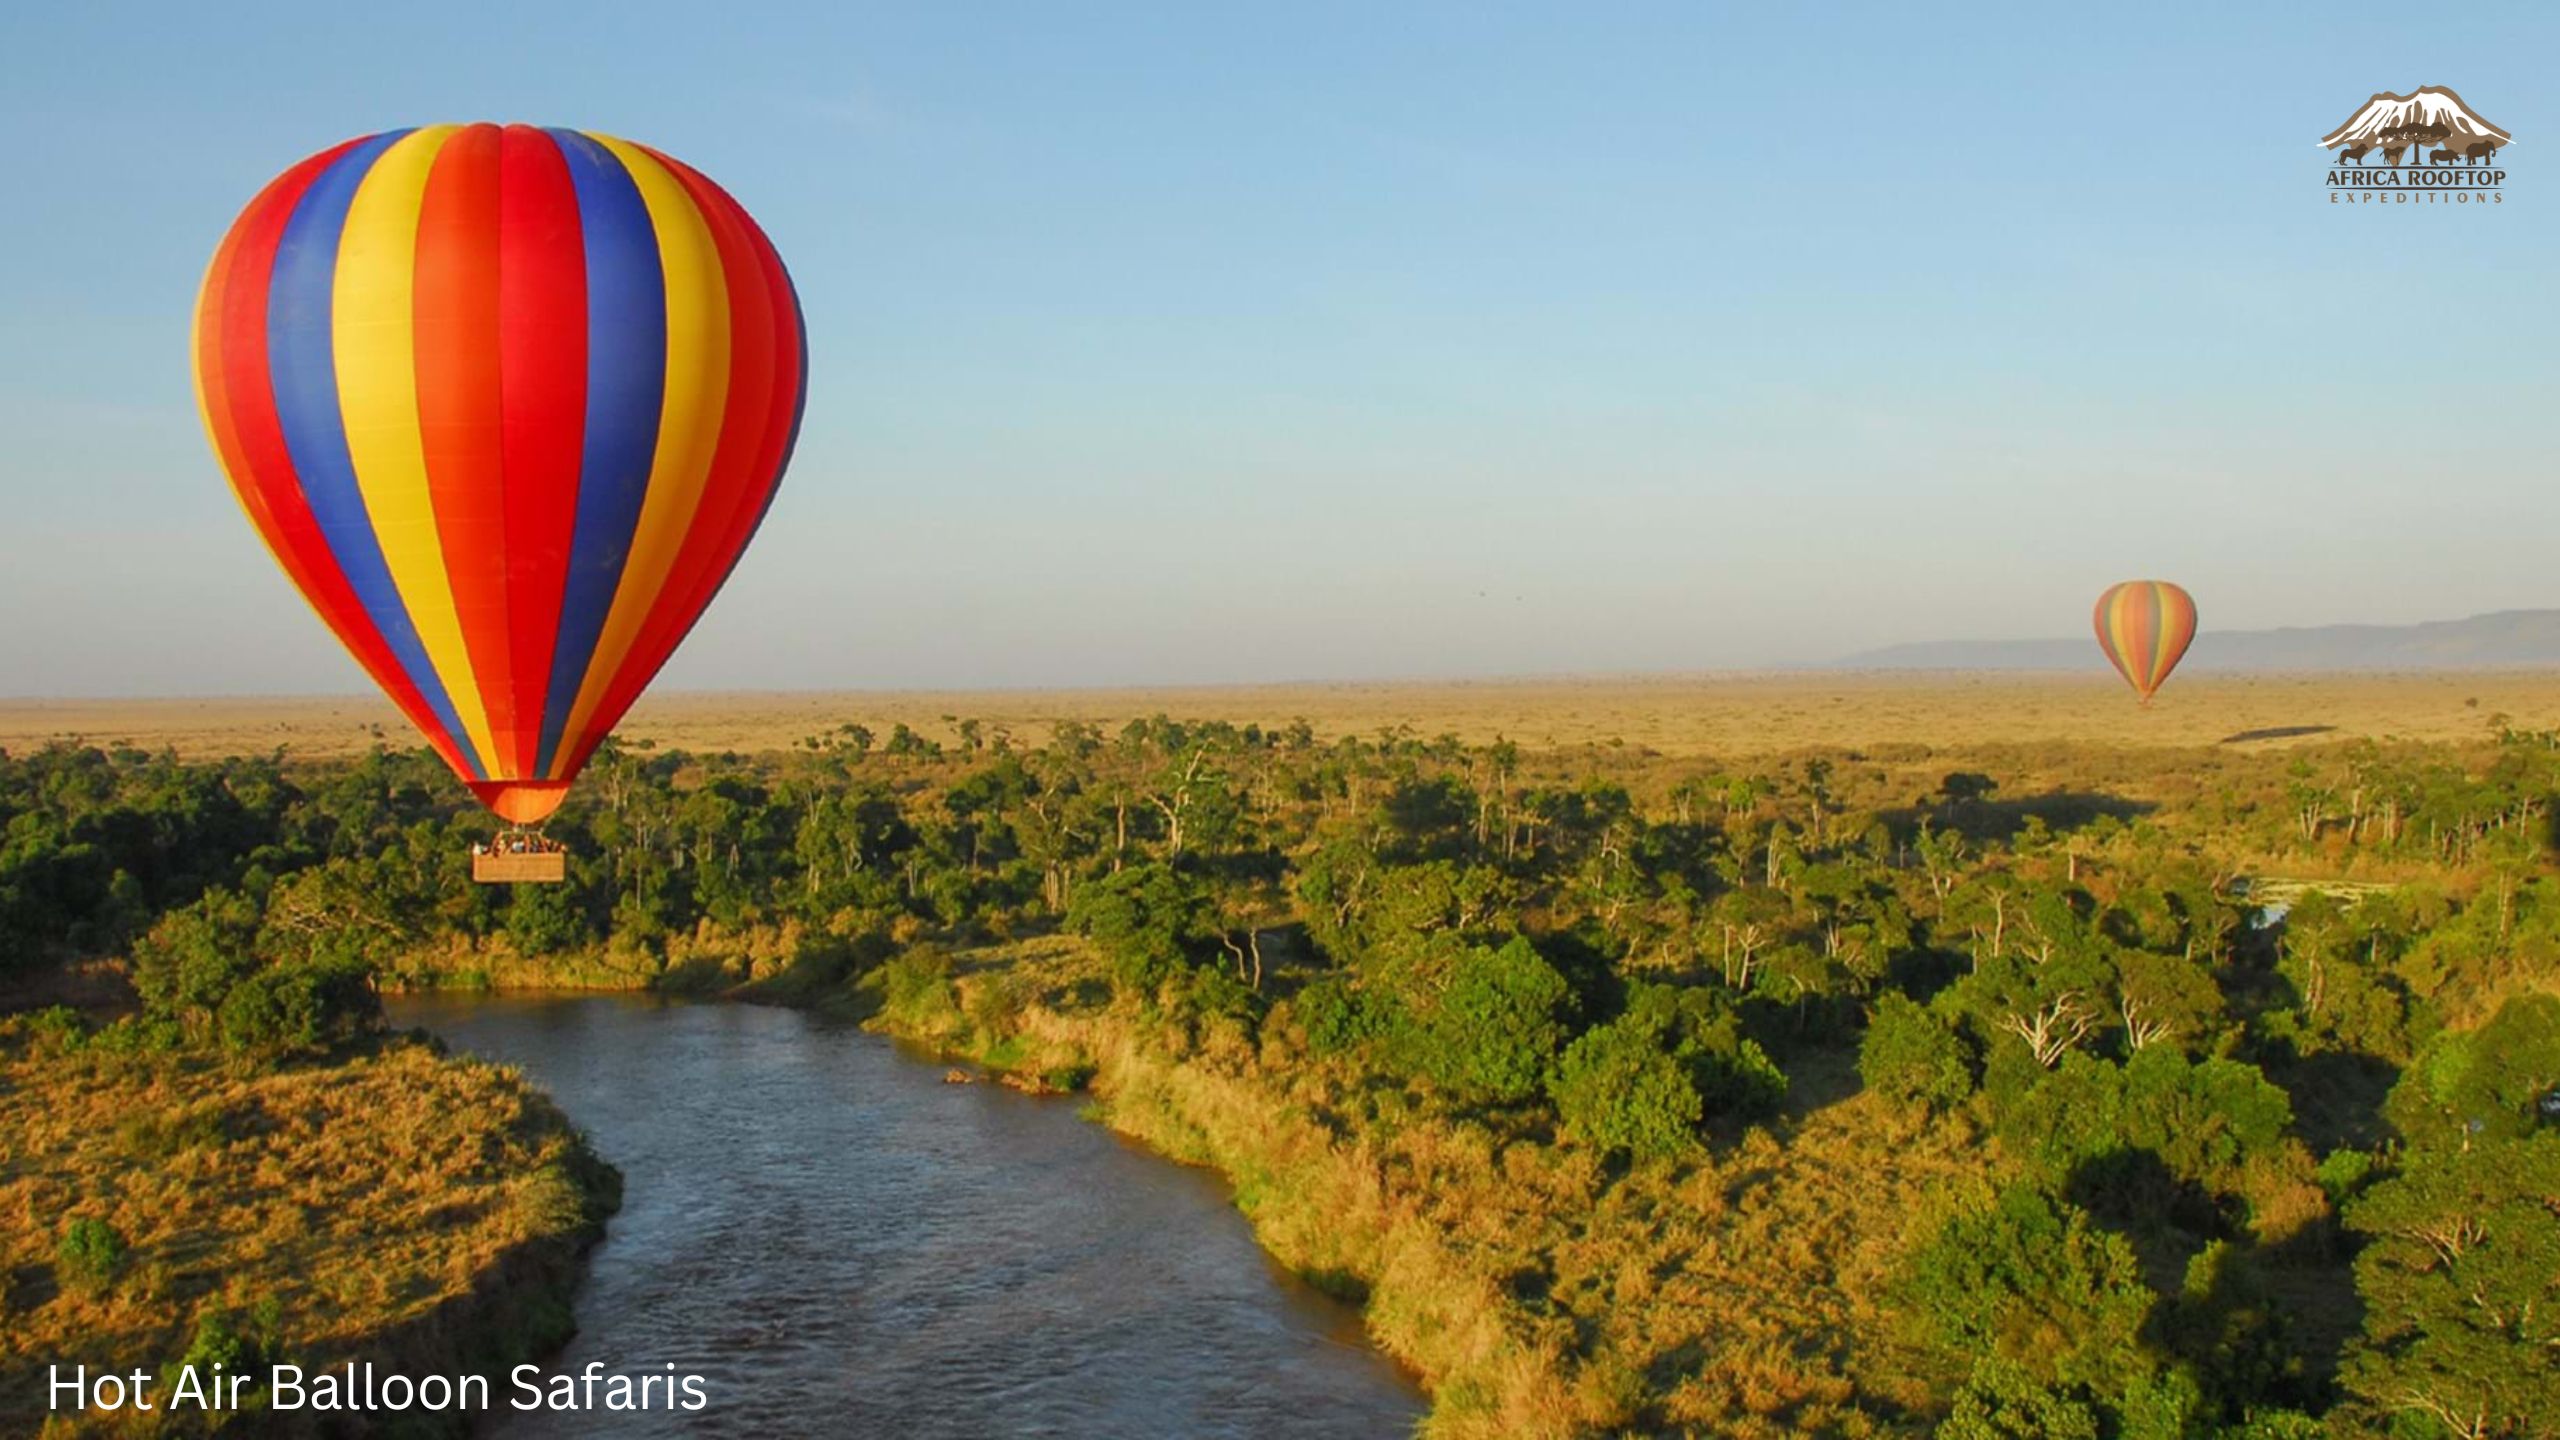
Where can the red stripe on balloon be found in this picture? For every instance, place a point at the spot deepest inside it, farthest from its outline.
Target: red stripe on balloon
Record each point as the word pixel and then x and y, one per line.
pixel 2141 626
pixel 240 403
pixel 459 388
pixel 542 351
pixel 790 360
pixel 763 330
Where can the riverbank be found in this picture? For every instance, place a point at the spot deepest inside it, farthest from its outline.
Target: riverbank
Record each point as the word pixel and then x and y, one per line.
pixel 425 1212
pixel 1535 1290
pixel 786 963
pixel 836 1242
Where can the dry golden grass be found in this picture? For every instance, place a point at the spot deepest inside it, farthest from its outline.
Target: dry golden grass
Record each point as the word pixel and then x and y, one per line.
pixel 398 1205
pixel 1725 715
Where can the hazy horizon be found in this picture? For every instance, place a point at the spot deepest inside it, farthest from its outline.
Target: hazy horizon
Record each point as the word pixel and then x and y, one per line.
pixel 1878 660
pixel 1154 348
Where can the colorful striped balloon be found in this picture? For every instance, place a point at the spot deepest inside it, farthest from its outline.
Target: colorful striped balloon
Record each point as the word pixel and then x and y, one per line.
pixel 2145 627
pixel 507 403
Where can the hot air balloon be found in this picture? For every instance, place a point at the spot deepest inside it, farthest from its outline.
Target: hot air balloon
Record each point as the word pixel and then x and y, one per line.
pixel 2145 626
pixel 506 403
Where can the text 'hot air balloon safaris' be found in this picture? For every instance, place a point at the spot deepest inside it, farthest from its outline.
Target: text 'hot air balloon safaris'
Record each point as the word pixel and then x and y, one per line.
pixel 2145 627
pixel 506 403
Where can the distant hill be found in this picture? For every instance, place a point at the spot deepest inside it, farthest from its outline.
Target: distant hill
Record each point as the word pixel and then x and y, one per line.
pixel 2509 637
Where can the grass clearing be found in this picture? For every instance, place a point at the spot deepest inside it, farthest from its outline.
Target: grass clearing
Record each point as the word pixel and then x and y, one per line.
pixel 423 1211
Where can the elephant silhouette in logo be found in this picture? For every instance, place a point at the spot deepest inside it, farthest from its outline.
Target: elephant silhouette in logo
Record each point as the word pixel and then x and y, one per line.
pixel 2478 150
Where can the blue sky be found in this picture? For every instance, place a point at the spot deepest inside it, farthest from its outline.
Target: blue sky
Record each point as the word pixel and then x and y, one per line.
pixel 1189 343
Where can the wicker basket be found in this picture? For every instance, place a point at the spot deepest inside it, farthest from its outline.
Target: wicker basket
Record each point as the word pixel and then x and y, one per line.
pixel 544 867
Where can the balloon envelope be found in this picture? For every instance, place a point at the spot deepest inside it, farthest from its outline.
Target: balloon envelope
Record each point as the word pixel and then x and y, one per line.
pixel 506 403
pixel 2145 626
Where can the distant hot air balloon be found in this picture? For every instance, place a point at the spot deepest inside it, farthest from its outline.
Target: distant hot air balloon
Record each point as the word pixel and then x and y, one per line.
pixel 2145 626
pixel 506 403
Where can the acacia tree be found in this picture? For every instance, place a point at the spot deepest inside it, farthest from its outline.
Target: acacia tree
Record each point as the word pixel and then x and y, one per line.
pixel 2461 1274
pixel 2163 999
pixel 2461 1286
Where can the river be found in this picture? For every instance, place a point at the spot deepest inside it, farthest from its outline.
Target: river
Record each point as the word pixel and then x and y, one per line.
pixel 842 1244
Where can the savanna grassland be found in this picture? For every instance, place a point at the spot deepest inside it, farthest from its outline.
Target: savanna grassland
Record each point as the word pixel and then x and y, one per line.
pixel 1729 715
pixel 1839 1056
pixel 387 1204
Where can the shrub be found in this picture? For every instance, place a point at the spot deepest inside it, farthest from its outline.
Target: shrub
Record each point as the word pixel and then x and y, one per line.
pixel 2003 1402
pixel 996 1002
pixel 1618 1089
pixel 1334 1015
pixel 917 986
pixel 2342 1174
pixel 1742 1081
pixel 2027 1279
pixel 1909 1056
pixel 2275 1425
pixel 1215 994
pixel 308 1006
pixel 239 1347
pixel 1731 1073
pixel 91 1256
pixel 1068 1078
pixel 1497 1026
pixel 57 1027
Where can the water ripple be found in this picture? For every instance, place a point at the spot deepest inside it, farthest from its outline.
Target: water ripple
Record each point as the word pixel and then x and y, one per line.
pixel 843 1245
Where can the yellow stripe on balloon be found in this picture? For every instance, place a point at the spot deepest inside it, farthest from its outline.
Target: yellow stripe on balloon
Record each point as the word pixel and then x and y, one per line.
pixel 697 391
pixel 374 311
pixel 2151 610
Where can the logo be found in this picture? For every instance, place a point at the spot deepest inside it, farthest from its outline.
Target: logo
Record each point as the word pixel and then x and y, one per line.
pixel 2423 148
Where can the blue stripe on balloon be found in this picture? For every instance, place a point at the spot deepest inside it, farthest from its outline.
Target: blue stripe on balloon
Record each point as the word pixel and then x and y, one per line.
pixel 626 388
pixel 302 359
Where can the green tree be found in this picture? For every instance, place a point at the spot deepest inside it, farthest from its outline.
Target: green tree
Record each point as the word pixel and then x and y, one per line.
pixel 2166 1000
pixel 1618 1089
pixel 2460 1278
pixel 545 920
pixel 2500 1081
pixel 190 960
pixel 2028 1280
pixel 308 1006
pixel 1151 920
pixel 1496 1028
pixel 2004 1401
pixel 1912 1057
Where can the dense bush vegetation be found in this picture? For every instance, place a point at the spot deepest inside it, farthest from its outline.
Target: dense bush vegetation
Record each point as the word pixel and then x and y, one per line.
pixel 2236 1162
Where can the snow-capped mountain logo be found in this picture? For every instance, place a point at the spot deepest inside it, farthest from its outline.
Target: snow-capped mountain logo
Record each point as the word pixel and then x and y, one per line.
pixel 2428 146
